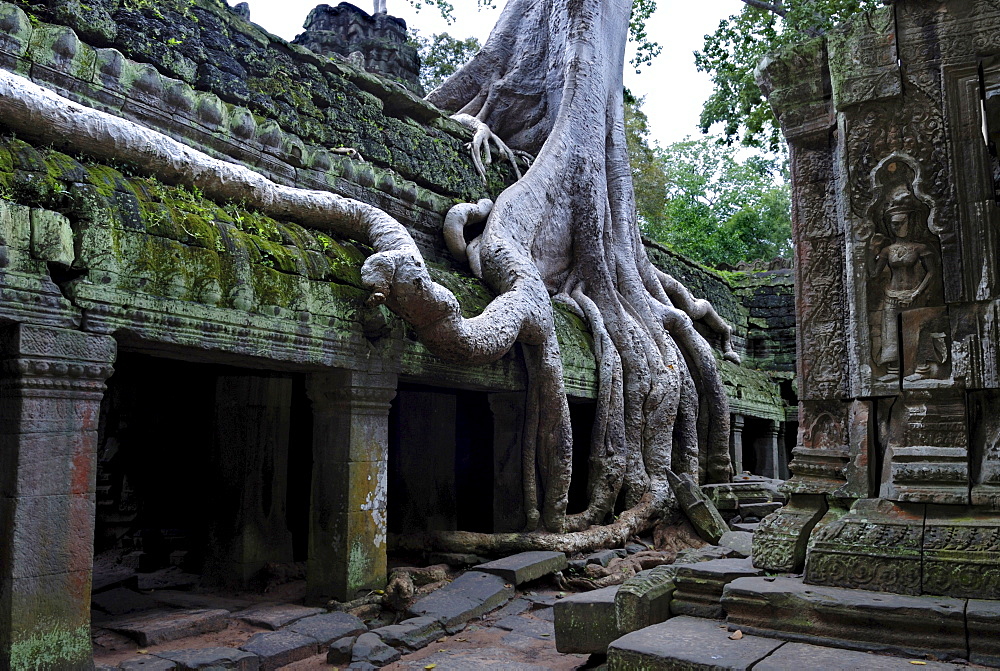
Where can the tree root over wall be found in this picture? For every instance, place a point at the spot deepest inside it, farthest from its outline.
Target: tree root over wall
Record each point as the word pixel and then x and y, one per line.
pixel 549 80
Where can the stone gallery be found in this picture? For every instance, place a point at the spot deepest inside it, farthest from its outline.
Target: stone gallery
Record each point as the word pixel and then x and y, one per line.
pixel 267 312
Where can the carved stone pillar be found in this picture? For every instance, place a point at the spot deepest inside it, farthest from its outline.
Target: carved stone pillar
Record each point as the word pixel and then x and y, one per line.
pixel 771 462
pixel 807 120
pixel 736 443
pixel 249 526
pixel 51 386
pixel 508 491
pixel 347 519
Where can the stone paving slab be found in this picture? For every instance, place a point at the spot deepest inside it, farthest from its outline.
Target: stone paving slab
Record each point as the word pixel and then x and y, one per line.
pixel 470 595
pixel 483 659
pixel 275 616
pixel 212 658
pixel 328 627
pixel 525 566
pixel 983 619
pixel 741 541
pixel 278 648
pixel 162 626
pixel 529 626
pixel 414 633
pixel 147 663
pixel 373 650
pixel 805 656
pixel 585 622
pixel 515 607
pixel 687 643
pixel 849 618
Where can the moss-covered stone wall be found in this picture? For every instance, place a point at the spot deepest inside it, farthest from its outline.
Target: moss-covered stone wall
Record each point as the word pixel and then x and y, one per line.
pixel 165 268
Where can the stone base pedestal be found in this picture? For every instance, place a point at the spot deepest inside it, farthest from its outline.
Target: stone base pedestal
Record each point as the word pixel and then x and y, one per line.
pixel 743 490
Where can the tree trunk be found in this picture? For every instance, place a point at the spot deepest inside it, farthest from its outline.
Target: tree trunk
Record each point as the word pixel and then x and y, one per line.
pixel 549 80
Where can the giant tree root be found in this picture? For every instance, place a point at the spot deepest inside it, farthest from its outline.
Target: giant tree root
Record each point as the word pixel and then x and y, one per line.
pixel 633 522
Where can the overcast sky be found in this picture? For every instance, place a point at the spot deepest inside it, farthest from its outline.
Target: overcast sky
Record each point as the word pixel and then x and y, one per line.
pixel 673 88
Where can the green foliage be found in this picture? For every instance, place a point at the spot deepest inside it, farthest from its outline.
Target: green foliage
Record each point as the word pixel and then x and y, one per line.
pixel 734 50
pixel 53 647
pixel 720 209
pixel 441 55
pixel 698 198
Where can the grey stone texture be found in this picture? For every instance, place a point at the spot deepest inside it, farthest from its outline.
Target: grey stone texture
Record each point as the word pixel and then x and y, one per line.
pixel 849 618
pixel 525 566
pixel 147 663
pixel 121 601
pixel 51 237
pixel 983 621
pixel 805 656
pixel 211 658
pixel 602 557
pixel 586 622
pixel 687 643
pixel 414 633
pixel 279 648
pixel 373 650
pixel 699 587
pixel 700 510
pixel 275 616
pixel 339 652
pixel 528 626
pixel 161 626
pixel 470 595
pixel 328 627
pixel 644 599
pixel 740 541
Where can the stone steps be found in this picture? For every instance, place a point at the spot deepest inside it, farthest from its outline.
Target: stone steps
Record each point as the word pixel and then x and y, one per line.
pixel 691 643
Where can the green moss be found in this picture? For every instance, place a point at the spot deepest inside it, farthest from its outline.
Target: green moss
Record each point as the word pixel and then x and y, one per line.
pixel 52 647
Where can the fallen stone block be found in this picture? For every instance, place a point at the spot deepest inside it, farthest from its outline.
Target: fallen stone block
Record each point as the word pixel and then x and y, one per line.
pixel 707 553
pixel 195 600
pixel 373 650
pixel 147 663
pixel 162 626
pixel 339 653
pixel 744 526
pixel 805 656
pixel 984 632
pixel 633 548
pixel 687 643
pixel 702 513
pixel 849 618
pixel 470 595
pixel 602 557
pixel 415 633
pixel 758 510
pixel 278 648
pixel 740 541
pixel 699 586
pixel 525 566
pixel 585 622
pixel 276 616
pixel 528 626
pixel 578 565
pixel 212 658
pixel 328 627
pixel 644 599
pixel 515 607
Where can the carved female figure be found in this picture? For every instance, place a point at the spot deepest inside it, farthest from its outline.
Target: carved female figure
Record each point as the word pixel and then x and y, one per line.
pixel 912 267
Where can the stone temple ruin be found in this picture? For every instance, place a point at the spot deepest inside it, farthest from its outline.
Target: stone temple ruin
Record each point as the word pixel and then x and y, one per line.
pixel 192 386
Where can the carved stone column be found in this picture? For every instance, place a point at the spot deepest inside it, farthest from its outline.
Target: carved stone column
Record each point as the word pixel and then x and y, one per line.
pixel 249 526
pixel 736 443
pixel 347 519
pixel 808 123
pixel 771 462
pixel 51 386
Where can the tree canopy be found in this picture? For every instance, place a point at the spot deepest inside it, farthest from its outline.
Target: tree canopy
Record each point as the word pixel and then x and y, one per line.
pixel 700 198
pixel 441 56
pixel 734 50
